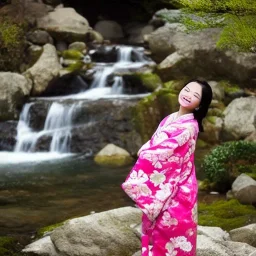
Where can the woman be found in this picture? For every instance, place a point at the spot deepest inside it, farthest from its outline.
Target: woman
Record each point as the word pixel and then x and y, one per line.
pixel 163 181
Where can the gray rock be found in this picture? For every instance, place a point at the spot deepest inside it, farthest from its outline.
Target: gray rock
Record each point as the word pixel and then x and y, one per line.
pixel 64 24
pixel 137 253
pixel 44 70
pixel 194 47
pixel 44 246
pixel 80 46
pixel 39 37
pixel 239 120
pixel 217 90
pixel 215 233
pixel 109 29
pixel 239 249
pixel 244 189
pixel 106 233
pixel 207 246
pixel 245 234
pixel 14 88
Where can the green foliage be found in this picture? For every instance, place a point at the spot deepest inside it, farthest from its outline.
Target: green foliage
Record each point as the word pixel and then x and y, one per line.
pixel 12 42
pixel 9 247
pixel 238 17
pixel 226 214
pixel 227 161
pixel 42 231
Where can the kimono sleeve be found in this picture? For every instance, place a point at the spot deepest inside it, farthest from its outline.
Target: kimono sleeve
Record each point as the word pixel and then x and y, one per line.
pixel 155 177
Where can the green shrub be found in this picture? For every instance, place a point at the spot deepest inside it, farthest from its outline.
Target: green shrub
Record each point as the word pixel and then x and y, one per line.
pixel 226 214
pixel 12 42
pixel 225 162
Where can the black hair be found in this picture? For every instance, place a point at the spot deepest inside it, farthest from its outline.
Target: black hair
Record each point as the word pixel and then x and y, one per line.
pixel 201 112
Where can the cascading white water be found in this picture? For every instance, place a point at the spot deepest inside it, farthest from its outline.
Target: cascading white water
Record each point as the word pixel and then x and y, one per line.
pixel 58 125
pixel 101 77
pixel 124 54
pixel 117 87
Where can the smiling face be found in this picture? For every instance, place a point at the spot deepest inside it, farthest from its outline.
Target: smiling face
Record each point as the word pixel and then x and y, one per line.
pixel 190 96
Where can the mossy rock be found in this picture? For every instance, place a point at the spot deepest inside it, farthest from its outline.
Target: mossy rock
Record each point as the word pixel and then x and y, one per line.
pixel 42 231
pixel 72 54
pixel 150 81
pixel 149 111
pixel 113 161
pixel 211 119
pixel 174 85
pixel 78 65
pixel 201 144
pixel 229 88
pixel 215 112
pixel 227 215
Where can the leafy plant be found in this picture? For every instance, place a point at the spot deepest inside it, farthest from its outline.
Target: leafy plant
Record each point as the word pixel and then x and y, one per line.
pixel 229 160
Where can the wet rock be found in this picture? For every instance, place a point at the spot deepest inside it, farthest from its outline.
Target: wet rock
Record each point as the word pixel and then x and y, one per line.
pixel 79 46
pixel 14 89
pixel 8 134
pixel 71 83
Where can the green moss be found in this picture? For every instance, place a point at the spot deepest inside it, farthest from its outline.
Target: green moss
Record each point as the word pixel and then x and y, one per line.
pixel 215 112
pixel 174 86
pixel 42 231
pixel 211 119
pixel 8 246
pixel 75 66
pixel 229 88
pixel 201 144
pixel 226 214
pixel 150 81
pixel 151 110
pixel 12 41
pixel 72 54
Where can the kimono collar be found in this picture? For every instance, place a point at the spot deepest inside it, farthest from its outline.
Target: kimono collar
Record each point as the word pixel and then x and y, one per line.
pixel 185 117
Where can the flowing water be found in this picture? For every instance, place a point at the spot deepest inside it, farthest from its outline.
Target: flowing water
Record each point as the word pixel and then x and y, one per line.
pixel 42 188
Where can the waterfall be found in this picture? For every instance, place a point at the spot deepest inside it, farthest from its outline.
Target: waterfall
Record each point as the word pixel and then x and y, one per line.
pixel 117 87
pixel 58 125
pixel 124 54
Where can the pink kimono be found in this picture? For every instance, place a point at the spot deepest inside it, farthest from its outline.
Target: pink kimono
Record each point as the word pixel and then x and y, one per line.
pixel 163 185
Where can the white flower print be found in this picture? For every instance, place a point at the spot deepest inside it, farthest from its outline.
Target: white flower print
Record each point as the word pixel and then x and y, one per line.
pixel 182 243
pixel 171 249
pixel 168 221
pixel 159 137
pixel 190 232
pixel 153 209
pixel 157 178
pixel 138 177
pixel 154 159
pixel 163 192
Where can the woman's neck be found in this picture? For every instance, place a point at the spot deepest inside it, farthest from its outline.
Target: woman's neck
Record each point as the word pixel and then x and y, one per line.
pixel 183 111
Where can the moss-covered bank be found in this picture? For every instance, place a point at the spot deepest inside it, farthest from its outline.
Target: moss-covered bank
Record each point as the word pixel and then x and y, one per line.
pixel 226 214
pixel 9 247
pixel 151 110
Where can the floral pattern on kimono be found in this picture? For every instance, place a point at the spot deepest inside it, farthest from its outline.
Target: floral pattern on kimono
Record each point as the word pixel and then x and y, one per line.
pixel 163 185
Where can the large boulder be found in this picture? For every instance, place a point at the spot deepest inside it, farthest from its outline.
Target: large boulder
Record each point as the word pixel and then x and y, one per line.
pixel 244 189
pixel 109 29
pixel 14 89
pixel 191 50
pixel 245 234
pixel 111 155
pixel 106 233
pixel 39 37
pixel 44 70
pixel 240 118
pixel 64 24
